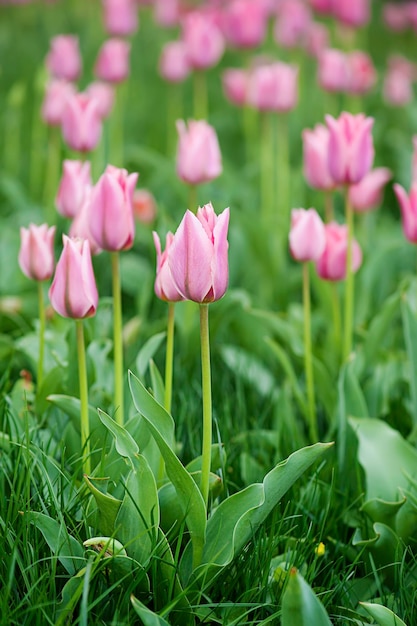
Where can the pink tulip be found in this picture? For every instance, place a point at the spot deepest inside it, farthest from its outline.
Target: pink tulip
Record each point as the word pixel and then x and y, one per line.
pixel 316 158
pixel 112 63
pixel 333 70
pixel 351 150
pixel 63 59
pixel 167 12
pixel 414 161
pixel 165 287
pixel 81 227
pixel 36 254
pixel 398 81
pixel 198 156
pixel 144 206
pixel 362 73
pixel 75 180
pixel 395 16
pixel 197 256
pixel 273 87
pixel 408 207
pixel 57 94
pixel 332 263
pixel 235 86
pixel 355 13
pixel 367 194
pixel 73 292
pixel 203 40
pixel 322 6
pixel 120 17
pixel 245 23
pixel 292 24
pixel 111 211
pixel 103 93
pixel 307 236
pixel 316 39
pixel 81 123
pixel 173 63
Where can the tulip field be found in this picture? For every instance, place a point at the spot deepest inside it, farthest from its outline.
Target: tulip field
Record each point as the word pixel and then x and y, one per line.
pixel 208 312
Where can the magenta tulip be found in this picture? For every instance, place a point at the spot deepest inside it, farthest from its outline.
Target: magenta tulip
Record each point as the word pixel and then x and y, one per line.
pixel 165 288
pixel 332 263
pixel 111 210
pixel 273 87
pixel 198 257
pixel 173 63
pixel 36 254
pixel 203 40
pixel 57 94
pixel 63 59
pixel 73 292
pixel 245 23
pixel 316 158
pixel 75 180
pixel 367 194
pixel 408 207
pixel 351 150
pixel 112 63
pixel 120 17
pixel 307 235
pixel 81 123
pixel 198 155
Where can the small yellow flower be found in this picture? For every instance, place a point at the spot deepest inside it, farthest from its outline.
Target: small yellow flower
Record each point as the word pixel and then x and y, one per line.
pixel 320 549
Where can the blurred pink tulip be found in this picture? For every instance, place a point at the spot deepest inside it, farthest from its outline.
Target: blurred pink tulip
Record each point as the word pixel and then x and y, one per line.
pixel 414 161
pixel 273 87
pixel 80 226
pixel 408 207
pixel 234 82
pixel 355 13
pixel 56 97
pixel 165 287
pixel 103 93
pixel 203 40
pixel 307 236
pixel 316 39
pixel 245 23
pixel 398 81
pixel 112 63
pixel 36 254
pixel 81 122
pixel 322 6
pixel 395 16
pixel 73 292
pixel 362 73
pixel 120 17
pixel 332 263
pixel 316 158
pixel 333 70
pixel 367 194
pixel 63 59
pixel 351 149
pixel 144 206
pixel 173 63
pixel 112 224
pixel 198 255
pixel 292 23
pixel 75 180
pixel 198 156
pixel 167 12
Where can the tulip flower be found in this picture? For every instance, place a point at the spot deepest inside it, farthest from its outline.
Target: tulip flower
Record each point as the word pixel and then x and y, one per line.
pixel 167 12
pixel 173 63
pixel 273 87
pixel 81 226
pixel 332 263
pixel 75 180
pixel 398 81
pixel 414 161
pixel 333 70
pixel 63 59
pixel 120 17
pixel 144 206
pixel 203 40
pixel 112 64
pixel 103 93
pixel 165 287
pixel 362 73
pixel 367 194
pixel 36 254
pixel 395 16
pixel 234 82
pixel 408 207
pixel 316 158
pixel 307 236
pixel 316 39
pixel 354 13
pixel 197 256
pixel 57 94
pixel 198 155
pixel 245 23
pixel 351 150
pixel 81 123
pixel 292 24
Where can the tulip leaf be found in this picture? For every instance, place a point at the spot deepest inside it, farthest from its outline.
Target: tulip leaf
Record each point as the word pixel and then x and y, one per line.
pixel 72 407
pixel 107 508
pixel 300 605
pixel 126 446
pixel 160 425
pixel 148 617
pixel 377 443
pixel 158 386
pixel 147 352
pixel 382 615
pixel 351 403
pixel 410 337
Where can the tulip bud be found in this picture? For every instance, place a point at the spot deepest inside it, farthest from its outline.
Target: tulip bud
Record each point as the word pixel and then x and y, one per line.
pixel 73 292
pixel 332 263
pixel 203 40
pixel 57 94
pixel 198 155
pixel 120 17
pixel 353 13
pixel 165 287
pixel 112 63
pixel 144 206
pixel 36 254
pixel 408 207
pixel 273 87
pixel 80 227
pixel 235 86
pixel 103 94
pixel 307 236
pixel 333 70
pixel 63 59
pixel 173 64
pixel 316 158
pixel 245 23
pixel 81 123
pixel 75 180
pixel 367 194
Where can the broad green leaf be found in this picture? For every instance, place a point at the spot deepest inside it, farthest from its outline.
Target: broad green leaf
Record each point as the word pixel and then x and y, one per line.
pixel 386 458
pixel 148 617
pixel 67 549
pixel 189 495
pixel 351 403
pixel 379 327
pixel 126 446
pixel 158 386
pixel 381 511
pixel 300 605
pixel 235 520
pixel 72 407
pixel 107 508
pixel 382 615
pixel 147 352
pixel 410 336
pixel 406 520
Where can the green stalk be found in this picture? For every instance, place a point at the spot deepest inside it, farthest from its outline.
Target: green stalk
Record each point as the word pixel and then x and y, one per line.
pixel 117 120
pixel 53 164
pixel 200 95
pixel 174 113
pixel 267 173
pixel 328 207
pixel 283 175
pixel 337 322
pixel 41 309
pixel 349 291
pixel 117 338
pixel 82 376
pixel 192 198
pixel 308 358
pixel 207 408
pixel 169 358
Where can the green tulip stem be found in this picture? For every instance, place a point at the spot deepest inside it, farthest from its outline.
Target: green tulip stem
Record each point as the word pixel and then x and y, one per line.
pixel 193 198
pixel 283 174
pixel 328 207
pixel 200 95
pixel 53 164
pixel 308 357
pixel 41 310
pixel 169 358
pixel 82 376
pixel 337 321
pixel 207 407
pixel 267 173
pixel 349 291
pixel 174 113
pixel 117 339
